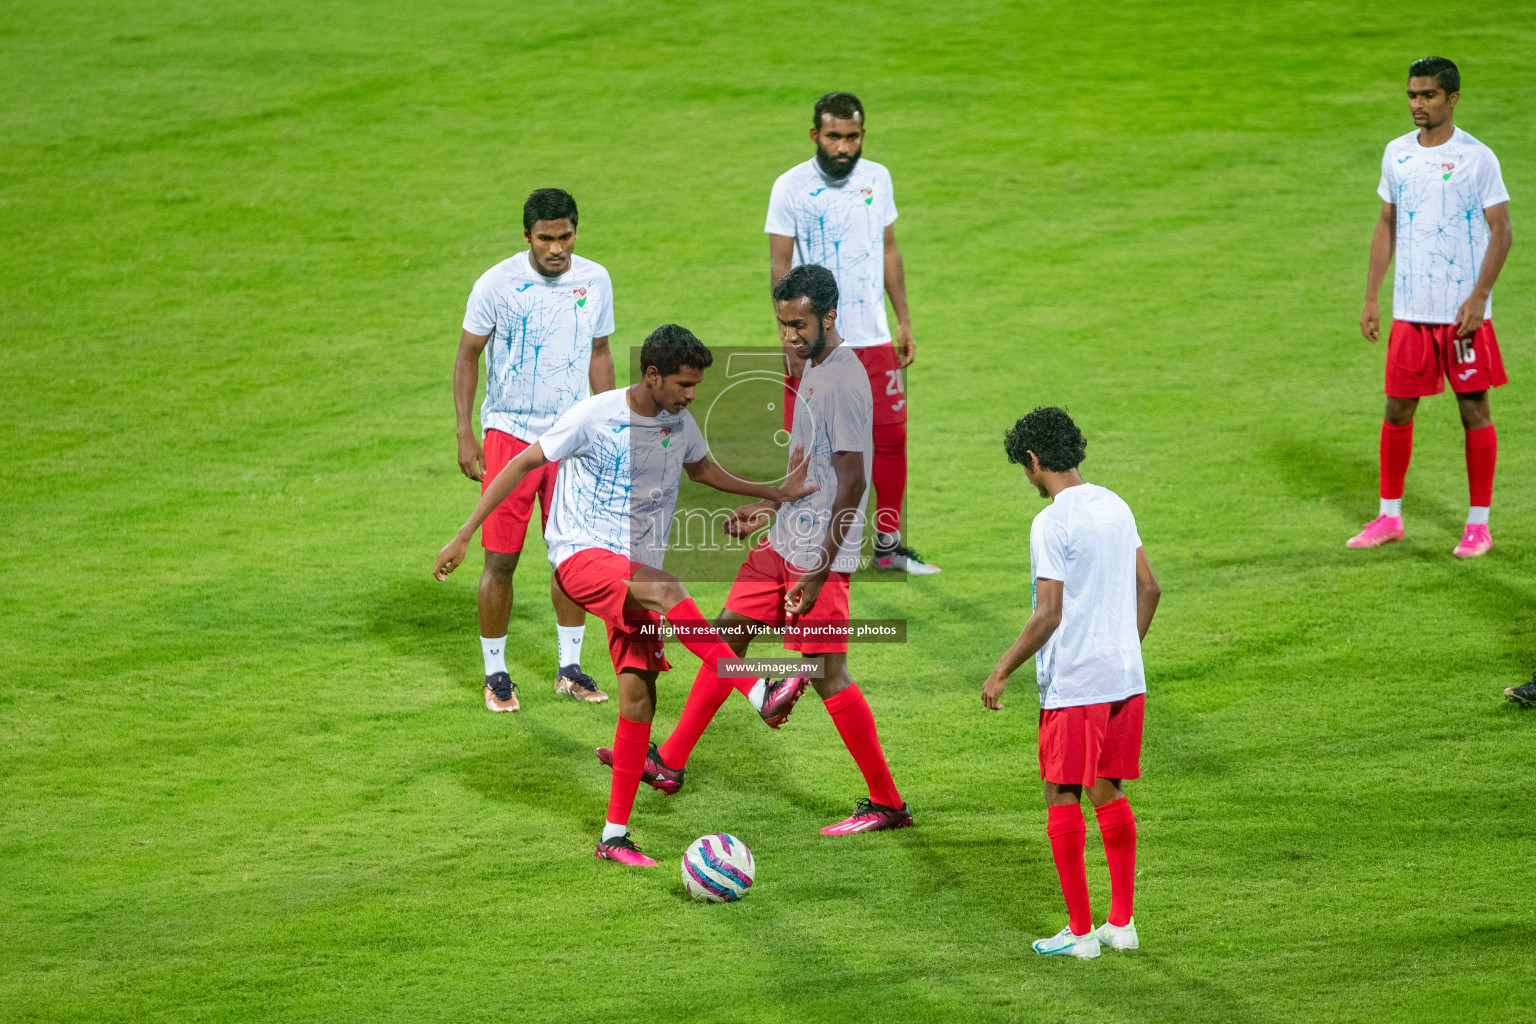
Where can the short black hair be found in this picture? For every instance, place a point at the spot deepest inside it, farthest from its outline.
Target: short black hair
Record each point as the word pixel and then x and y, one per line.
pixel 669 348
pixel 1050 433
pixel 1442 69
pixel 810 281
pixel 844 106
pixel 548 204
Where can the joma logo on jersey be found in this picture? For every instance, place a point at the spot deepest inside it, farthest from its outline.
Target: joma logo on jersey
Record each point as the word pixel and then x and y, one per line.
pixel 1449 169
pixel 868 195
pixel 580 295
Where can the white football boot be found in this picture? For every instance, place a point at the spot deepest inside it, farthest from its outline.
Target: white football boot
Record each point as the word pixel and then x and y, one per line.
pixel 1118 938
pixel 1064 943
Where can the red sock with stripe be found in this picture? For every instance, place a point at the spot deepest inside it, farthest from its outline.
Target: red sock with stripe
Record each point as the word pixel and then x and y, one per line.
pixel 1068 833
pixel 1482 454
pixel 704 699
pixel 1396 451
pixel 1118 827
pixel 699 635
pixel 630 742
pixel 856 725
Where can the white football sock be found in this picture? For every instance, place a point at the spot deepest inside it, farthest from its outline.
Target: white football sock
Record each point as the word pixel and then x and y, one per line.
pixel 494 650
pixel 612 831
pixel 570 644
pixel 758 693
pixel 1391 507
pixel 1477 515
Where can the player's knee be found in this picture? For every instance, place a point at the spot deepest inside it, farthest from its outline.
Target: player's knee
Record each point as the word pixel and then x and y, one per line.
pixel 500 565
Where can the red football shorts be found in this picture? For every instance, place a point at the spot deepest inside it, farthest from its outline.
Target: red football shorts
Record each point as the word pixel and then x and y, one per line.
pixel 594 578
pixel 887 385
pixel 1420 357
pixel 507 526
pixel 1092 741
pixel 758 593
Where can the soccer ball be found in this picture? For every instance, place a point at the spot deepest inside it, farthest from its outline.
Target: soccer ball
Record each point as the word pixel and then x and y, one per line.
pixel 718 869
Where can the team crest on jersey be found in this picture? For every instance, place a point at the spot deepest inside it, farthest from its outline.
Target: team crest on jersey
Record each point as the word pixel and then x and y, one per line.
pixel 868 195
pixel 1448 169
pixel 666 436
pixel 580 295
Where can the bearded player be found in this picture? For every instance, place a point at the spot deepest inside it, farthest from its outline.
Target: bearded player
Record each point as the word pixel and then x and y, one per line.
pixel 797 578
pixel 1094 598
pixel 1445 217
pixel 542 318
pixel 837 209
pixel 621 455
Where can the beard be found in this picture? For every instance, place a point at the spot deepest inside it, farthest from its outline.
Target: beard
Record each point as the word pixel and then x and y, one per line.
pixel 819 345
pixel 835 168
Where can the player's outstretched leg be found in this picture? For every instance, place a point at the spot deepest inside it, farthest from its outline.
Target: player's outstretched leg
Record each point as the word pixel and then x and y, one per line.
pixel 1068 833
pixel 1117 825
pixel 855 722
pixel 637 703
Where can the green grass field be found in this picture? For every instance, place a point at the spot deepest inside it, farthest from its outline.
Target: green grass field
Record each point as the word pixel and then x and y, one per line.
pixel 244 769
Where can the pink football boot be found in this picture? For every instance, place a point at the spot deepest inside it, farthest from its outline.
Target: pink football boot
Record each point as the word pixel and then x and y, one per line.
pixel 623 850
pixel 1475 541
pixel 1381 530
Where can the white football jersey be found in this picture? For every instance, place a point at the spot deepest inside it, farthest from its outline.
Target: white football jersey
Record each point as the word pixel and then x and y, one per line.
pixel 540 349
pixel 1087 539
pixel 841 226
pixel 833 413
pixel 1442 234
pixel 619 477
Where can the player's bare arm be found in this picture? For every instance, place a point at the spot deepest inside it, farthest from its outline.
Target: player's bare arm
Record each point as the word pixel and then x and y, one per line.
pixel 896 288
pixel 523 463
pixel 1040 628
pixel 849 467
pixel 749 518
pixel 600 376
pixel 712 474
pixel 1383 244
pixel 1470 316
pixel 466 378
pixel 781 253
pixel 1148 593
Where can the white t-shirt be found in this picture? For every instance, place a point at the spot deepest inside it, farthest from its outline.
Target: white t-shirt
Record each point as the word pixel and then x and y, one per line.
pixel 540 349
pixel 618 479
pixel 841 225
pixel 833 413
pixel 1442 235
pixel 1087 539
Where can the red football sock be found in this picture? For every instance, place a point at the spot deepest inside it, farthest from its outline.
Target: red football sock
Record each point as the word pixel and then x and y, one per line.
pixel 1482 453
pixel 856 725
pixel 1068 832
pixel 704 699
pixel 1118 827
pixel 888 474
pixel 1396 450
pixel 630 742
pixel 696 633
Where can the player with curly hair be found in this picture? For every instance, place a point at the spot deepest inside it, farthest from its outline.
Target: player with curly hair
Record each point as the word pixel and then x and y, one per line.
pixel 1094 597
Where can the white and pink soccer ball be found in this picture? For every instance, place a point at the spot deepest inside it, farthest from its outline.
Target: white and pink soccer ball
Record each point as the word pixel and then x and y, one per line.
pixel 718 869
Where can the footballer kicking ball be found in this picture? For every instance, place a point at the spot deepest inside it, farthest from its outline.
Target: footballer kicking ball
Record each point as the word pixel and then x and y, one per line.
pixel 718 869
